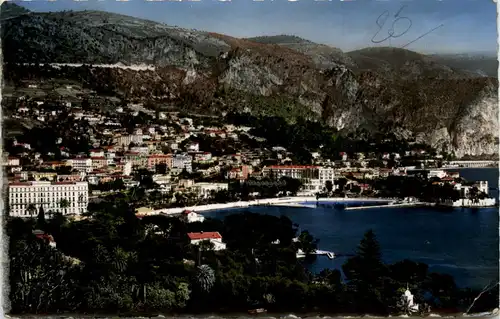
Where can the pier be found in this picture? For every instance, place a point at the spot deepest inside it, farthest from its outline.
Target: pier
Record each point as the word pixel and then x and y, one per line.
pixel 389 206
pixel 470 164
pixel 330 254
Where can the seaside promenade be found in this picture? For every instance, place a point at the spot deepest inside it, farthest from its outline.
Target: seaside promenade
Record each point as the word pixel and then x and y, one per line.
pixel 285 201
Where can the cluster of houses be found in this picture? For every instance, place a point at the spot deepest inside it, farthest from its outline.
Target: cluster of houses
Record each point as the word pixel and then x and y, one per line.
pixel 166 150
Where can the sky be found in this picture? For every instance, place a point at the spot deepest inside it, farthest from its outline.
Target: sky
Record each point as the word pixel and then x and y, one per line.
pixel 460 26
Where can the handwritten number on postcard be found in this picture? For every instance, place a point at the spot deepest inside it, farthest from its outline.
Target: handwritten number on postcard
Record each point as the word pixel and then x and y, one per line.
pixel 382 19
pixel 399 21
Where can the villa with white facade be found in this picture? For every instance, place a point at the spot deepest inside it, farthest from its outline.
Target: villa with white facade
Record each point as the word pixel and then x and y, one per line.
pixel 192 217
pixel 214 237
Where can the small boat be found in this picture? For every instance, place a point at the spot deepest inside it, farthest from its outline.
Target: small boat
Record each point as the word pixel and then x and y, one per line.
pixel 257 311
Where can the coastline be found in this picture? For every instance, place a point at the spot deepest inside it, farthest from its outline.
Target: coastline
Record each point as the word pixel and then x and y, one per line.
pixel 285 201
pixel 303 202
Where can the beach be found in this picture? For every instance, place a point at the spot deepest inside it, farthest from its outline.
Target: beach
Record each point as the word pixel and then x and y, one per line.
pixel 285 201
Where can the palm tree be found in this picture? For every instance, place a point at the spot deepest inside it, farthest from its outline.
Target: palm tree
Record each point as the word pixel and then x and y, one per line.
pixel 31 209
pixel 205 278
pixel 64 203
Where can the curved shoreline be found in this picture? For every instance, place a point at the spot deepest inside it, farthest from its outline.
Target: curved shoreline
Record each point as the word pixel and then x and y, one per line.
pixel 265 202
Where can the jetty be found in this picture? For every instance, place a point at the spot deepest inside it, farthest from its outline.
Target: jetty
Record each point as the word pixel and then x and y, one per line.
pixel 294 205
pixel 329 254
pixel 390 205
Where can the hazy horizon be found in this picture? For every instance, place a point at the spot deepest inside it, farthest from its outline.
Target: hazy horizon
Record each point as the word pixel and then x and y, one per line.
pixel 467 26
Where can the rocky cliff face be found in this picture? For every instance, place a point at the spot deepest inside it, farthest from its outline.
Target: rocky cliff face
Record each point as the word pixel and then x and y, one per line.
pixel 383 89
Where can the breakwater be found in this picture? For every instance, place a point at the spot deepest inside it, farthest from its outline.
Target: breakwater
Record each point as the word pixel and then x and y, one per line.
pixel 391 206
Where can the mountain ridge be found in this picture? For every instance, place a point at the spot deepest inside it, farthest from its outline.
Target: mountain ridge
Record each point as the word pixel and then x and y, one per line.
pixel 210 71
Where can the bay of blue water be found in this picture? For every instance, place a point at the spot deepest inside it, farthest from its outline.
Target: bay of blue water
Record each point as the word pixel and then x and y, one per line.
pixel 461 242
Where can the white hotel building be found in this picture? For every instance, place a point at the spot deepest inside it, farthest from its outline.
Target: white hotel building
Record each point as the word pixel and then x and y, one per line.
pixel 313 177
pixel 48 195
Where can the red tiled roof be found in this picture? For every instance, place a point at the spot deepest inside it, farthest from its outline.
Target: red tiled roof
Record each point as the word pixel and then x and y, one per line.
pixel 20 184
pixel 45 236
pixel 204 235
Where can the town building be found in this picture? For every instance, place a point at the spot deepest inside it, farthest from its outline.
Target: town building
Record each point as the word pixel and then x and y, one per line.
pixel 182 161
pixel 436 173
pixel 75 177
pixel 313 177
pixel 11 161
pixel 127 168
pixel 96 153
pixel 81 164
pixel 154 160
pixel 99 162
pixel 140 149
pixel 38 176
pixel 138 160
pixel 239 173
pixel 192 217
pixel 214 237
pixel 126 140
pixel 203 157
pixel 193 147
pixel 206 189
pixel 23 197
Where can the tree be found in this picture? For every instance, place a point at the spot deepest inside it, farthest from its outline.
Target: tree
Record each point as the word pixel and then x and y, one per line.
pixel 292 185
pixel 41 218
pixel 204 245
pixel 307 242
pixel 64 204
pixel 342 182
pixel 329 186
pixel 40 278
pixel 31 209
pixel 366 267
pixel 161 168
pixel 205 278
pixel 356 189
pixel 474 194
